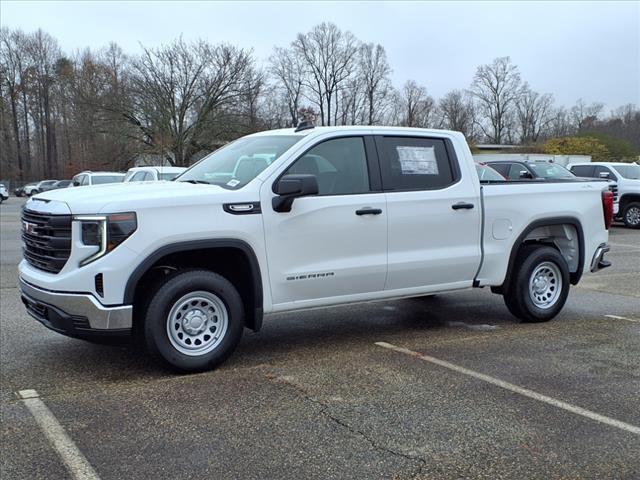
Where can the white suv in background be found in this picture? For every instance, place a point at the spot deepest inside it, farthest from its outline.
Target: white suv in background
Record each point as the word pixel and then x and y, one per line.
pixel 4 194
pixel 627 179
pixel 150 174
pixel 97 178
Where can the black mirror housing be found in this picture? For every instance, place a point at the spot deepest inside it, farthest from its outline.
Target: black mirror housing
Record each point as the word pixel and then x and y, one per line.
pixel 291 187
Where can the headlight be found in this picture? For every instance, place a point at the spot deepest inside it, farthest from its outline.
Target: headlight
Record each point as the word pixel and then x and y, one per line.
pixel 105 232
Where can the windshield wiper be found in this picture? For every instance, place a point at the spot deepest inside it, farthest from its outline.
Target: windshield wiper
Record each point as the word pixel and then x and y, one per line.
pixel 196 181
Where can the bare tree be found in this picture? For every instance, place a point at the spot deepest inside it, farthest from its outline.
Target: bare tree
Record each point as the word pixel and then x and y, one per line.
pixel 178 89
pixel 329 59
pixel 286 66
pixel 457 113
pixel 496 88
pixel 583 114
pixel 374 70
pixel 533 113
pixel 43 53
pixel 11 71
pixel 416 107
pixel 560 124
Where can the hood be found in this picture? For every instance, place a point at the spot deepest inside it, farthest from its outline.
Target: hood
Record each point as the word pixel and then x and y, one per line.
pixel 131 196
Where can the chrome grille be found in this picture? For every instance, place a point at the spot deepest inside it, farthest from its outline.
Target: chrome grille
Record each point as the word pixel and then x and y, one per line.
pixel 46 240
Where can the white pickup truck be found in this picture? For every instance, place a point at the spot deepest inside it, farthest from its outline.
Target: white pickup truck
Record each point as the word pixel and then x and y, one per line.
pixel 294 219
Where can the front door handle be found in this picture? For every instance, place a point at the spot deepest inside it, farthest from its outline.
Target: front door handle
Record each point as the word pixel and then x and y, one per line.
pixel 369 211
pixel 462 206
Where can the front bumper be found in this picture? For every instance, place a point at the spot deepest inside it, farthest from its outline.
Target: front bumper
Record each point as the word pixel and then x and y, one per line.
pixel 75 314
pixel 598 262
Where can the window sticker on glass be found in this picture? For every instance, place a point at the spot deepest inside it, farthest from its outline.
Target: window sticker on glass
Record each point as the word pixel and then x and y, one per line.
pixel 417 160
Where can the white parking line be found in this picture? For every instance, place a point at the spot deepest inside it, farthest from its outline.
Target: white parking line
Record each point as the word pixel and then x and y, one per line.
pixel 74 460
pixel 516 389
pixel 618 317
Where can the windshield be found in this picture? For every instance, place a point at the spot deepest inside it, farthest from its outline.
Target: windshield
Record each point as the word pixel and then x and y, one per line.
pixel 236 164
pixel 99 180
pixel 632 171
pixel 550 170
pixel 485 172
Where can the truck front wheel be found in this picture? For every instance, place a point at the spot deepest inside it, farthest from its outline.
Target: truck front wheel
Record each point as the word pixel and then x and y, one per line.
pixel 631 215
pixel 194 321
pixel 539 285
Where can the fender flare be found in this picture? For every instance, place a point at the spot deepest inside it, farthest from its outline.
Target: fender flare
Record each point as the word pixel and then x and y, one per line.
pixel 543 222
pixel 254 318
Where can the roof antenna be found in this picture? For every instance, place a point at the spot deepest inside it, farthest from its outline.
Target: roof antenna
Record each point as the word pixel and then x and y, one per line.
pixel 304 125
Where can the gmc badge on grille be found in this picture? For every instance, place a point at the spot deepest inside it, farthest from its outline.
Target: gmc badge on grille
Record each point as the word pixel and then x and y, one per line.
pixel 29 227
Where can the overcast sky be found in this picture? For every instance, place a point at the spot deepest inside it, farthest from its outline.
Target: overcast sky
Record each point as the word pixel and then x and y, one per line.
pixel 587 49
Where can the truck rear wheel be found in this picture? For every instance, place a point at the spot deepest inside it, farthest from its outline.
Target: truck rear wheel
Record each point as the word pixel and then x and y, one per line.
pixel 631 215
pixel 539 285
pixel 194 321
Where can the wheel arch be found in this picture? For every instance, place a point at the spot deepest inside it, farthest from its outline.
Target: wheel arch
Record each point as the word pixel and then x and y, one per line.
pixel 628 198
pixel 528 236
pixel 171 255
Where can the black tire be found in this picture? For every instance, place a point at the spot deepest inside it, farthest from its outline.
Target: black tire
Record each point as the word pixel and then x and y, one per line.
pixel 165 347
pixel 631 215
pixel 517 295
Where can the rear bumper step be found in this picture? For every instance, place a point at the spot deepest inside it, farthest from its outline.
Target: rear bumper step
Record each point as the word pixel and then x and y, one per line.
pixel 598 262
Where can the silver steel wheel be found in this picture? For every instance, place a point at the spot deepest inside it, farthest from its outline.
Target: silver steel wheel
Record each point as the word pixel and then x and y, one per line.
pixel 197 323
pixel 632 215
pixel 545 285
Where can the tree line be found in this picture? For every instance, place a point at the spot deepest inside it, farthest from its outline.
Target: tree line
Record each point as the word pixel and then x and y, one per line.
pixel 61 113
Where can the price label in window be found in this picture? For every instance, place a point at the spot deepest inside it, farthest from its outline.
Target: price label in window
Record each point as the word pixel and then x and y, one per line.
pixel 417 160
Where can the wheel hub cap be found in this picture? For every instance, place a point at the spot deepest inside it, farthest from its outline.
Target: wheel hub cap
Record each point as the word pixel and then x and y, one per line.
pixel 545 285
pixel 197 323
pixel 633 215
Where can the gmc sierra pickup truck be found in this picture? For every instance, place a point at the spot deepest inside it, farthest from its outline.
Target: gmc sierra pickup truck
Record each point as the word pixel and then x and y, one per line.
pixel 295 219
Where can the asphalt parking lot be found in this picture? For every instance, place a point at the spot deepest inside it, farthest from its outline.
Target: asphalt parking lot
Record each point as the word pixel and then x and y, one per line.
pixel 325 393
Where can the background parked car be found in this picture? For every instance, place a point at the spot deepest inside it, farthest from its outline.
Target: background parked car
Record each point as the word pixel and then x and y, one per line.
pixel 97 178
pixel 521 170
pixel 626 190
pixel 45 186
pixel 4 194
pixel 148 174
pixel 486 173
pixel 20 191
pixel 62 184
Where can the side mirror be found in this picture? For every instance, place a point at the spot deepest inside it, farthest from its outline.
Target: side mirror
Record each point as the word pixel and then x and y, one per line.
pixel 291 187
pixel 525 174
pixel 605 174
pixel 76 183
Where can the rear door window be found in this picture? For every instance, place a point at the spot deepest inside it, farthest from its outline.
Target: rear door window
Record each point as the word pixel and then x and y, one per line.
pixel 515 172
pixel 600 169
pixel 582 170
pixel 414 163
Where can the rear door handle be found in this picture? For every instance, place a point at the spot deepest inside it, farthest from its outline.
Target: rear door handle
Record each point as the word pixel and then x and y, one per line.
pixel 369 211
pixel 462 206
